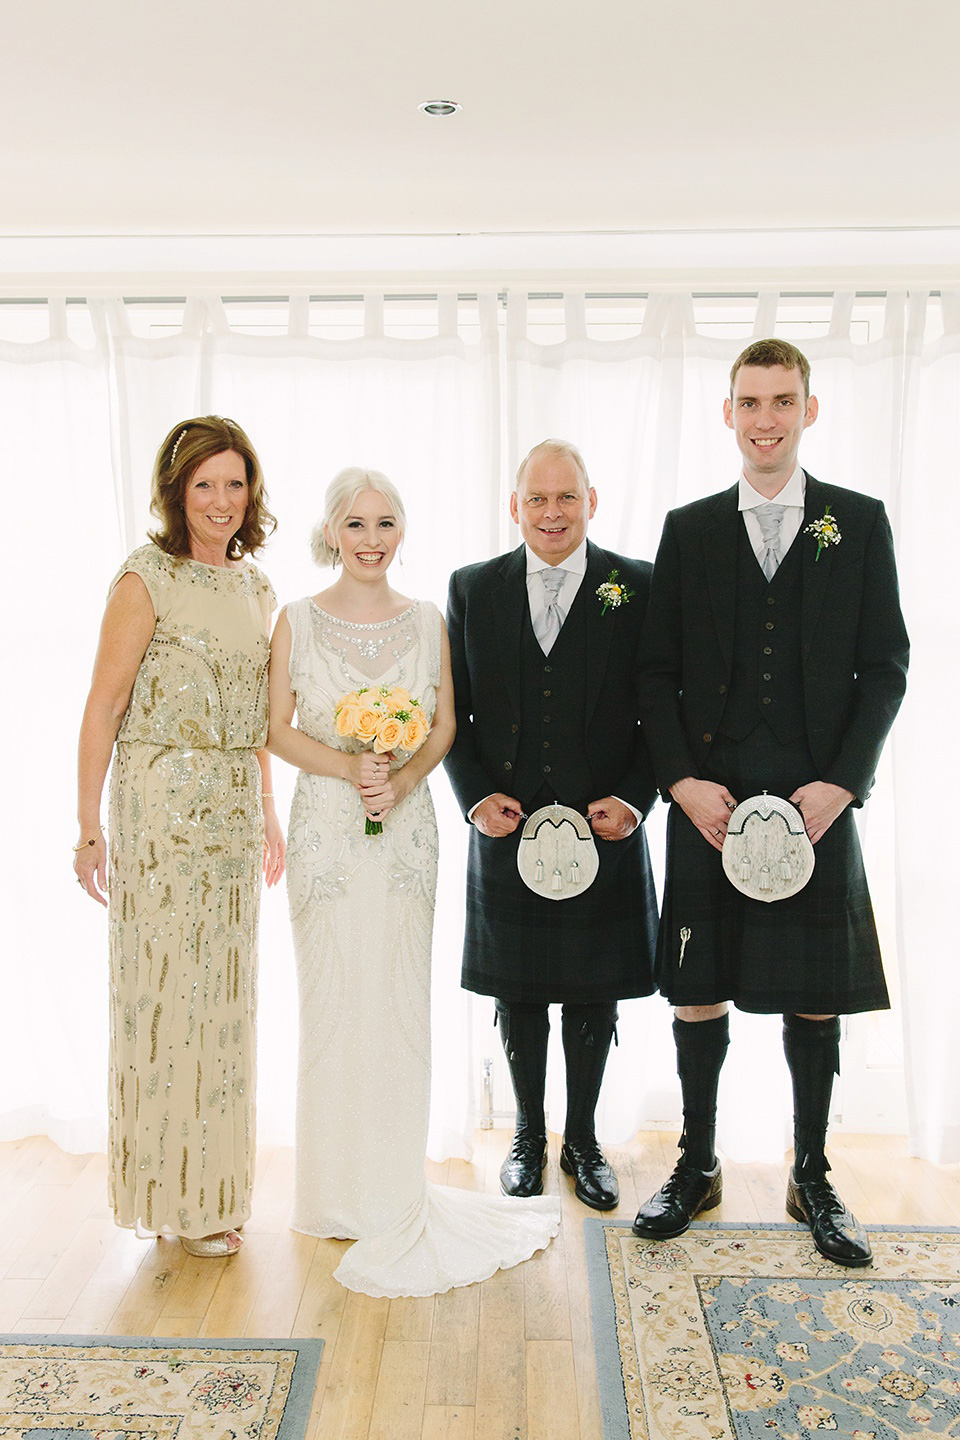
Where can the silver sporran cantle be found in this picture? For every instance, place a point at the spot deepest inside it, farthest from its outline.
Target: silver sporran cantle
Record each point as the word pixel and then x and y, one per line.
pixel 767 853
pixel 557 857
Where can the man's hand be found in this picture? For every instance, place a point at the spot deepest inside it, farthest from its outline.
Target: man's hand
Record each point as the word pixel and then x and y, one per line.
pixel 498 815
pixel 611 819
pixel 707 804
pixel 820 803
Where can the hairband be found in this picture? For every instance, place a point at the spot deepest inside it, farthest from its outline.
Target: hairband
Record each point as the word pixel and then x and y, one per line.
pixel 176 443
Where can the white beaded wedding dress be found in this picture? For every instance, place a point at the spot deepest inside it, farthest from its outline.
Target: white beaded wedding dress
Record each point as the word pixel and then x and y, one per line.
pixel 362 913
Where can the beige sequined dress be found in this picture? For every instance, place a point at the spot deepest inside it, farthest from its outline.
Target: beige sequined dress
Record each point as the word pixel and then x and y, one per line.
pixel 185 847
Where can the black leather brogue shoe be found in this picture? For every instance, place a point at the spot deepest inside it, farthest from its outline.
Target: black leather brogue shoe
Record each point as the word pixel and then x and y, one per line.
pixel 595 1183
pixel 521 1174
pixel 836 1231
pixel 679 1200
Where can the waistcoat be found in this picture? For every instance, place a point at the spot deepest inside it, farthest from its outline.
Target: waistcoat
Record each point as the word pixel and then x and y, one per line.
pixel 766 682
pixel 550 763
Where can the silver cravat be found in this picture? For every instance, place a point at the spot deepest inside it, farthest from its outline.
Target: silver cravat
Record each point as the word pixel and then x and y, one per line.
pixel 546 626
pixel 770 517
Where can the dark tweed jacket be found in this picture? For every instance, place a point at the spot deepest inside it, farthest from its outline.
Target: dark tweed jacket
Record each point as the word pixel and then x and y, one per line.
pixel 854 642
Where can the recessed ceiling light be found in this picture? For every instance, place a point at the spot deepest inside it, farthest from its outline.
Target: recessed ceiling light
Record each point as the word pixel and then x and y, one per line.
pixel 439 107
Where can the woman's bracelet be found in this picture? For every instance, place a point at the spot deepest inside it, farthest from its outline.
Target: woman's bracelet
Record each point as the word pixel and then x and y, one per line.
pixel 266 795
pixel 84 843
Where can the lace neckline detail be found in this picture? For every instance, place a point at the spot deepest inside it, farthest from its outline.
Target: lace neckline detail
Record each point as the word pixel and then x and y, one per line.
pixel 364 625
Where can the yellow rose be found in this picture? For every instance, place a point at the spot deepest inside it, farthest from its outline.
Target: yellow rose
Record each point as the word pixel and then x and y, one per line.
pixel 413 736
pixel 417 713
pixel 347 719
pixel 399 699
pixel 367 723
pixel 388 735
pixel 352 699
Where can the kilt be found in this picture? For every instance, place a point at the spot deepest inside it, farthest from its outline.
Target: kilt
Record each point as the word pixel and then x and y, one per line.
pixel 596 946
pixel 815 952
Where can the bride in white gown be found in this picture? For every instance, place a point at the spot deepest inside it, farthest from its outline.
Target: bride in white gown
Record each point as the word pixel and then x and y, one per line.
pixel 362 913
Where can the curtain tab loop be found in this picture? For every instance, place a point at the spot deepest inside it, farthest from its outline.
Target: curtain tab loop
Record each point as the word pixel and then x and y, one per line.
pixel 679 318
pixel 298 316
pixel 841 315
pixel 655 311
pixel 516 316
pixel 57 314
pixel 194 319
pixel 488 306
pixel 895 315
pixel 950 311
pixel 575 316
pixel 448 315
pixel 216 315
pixel 765 318
pixel 373 316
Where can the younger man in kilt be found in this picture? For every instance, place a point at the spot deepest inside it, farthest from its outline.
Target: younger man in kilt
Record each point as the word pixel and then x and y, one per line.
pixel 545 677
pixel 771 661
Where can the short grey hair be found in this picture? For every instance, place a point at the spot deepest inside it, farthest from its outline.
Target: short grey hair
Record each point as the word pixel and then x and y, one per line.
pixel 341 493
pixel 556 450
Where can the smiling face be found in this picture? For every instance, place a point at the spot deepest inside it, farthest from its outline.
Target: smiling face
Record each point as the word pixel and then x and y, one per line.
pixel 215 502
pixel 368 536
pixel 552 506
pixel 768 412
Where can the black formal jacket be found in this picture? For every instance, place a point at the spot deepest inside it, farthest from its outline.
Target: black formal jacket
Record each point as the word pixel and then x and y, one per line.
pixel 854 642
pixel 486 609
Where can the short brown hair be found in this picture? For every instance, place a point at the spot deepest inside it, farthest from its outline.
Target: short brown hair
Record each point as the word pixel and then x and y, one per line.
pixel 186 447
pixel 767 353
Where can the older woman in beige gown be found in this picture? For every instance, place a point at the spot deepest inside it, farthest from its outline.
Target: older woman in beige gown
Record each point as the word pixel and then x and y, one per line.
pixel 179 687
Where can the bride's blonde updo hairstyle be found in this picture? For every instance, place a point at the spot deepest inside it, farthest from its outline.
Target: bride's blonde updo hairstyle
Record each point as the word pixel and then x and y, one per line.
pixel 341 493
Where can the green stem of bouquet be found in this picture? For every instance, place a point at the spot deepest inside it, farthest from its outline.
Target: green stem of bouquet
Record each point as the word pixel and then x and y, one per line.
pixel 374 827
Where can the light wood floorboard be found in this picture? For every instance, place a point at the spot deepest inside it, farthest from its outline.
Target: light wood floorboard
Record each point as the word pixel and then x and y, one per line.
pixel 509 1359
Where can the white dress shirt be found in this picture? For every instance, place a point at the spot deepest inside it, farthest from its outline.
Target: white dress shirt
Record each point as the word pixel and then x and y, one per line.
pixel 576 567
pixel 793 496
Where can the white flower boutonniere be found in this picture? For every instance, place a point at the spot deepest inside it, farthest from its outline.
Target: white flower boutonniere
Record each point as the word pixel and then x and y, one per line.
pixel 612 593
pixel 826 530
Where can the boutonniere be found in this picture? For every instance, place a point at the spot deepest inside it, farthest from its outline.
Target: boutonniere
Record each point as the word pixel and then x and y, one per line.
pixel 826 530
pixel 612 593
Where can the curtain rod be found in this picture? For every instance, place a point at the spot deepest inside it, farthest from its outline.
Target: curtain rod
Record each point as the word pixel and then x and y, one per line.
pixel 466 296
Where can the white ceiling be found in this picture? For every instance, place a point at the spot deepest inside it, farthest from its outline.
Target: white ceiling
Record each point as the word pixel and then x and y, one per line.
pixel 125 117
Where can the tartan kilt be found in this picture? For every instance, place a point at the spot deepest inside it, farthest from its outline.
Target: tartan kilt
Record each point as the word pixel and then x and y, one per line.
pixel 596 946
pixel 814 953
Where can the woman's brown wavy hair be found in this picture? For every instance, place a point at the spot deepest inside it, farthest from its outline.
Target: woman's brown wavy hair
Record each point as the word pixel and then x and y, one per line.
pixel 187 446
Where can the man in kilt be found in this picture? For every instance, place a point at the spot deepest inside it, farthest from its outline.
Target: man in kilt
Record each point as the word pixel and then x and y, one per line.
pixel 545 683
pixel 775 659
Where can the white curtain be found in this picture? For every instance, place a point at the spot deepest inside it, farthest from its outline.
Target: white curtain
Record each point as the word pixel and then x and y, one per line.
pixel 446 395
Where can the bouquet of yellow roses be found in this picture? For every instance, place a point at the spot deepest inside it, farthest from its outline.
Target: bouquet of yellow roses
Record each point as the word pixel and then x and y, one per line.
pixel 384 719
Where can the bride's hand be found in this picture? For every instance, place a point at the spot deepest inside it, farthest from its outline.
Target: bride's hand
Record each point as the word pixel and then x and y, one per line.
pixel 368 769
pixel 383 795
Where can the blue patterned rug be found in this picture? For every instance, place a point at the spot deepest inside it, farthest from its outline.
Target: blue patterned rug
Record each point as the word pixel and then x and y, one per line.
pixel 743 1332
pixel 122 1387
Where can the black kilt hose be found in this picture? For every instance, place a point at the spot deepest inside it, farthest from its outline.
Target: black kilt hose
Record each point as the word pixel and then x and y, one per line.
pixel 525 949
pixel 815 953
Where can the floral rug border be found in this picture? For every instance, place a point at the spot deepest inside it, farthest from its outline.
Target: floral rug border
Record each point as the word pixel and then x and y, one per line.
pixel 623 1401
pixel 284 1410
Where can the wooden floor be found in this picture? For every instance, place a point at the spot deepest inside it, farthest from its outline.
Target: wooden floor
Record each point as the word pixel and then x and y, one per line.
pixel 510 1359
